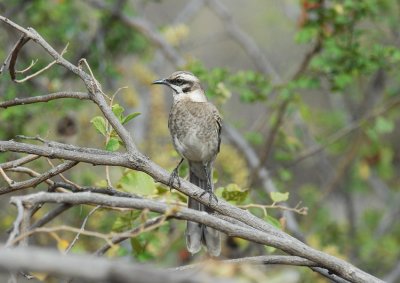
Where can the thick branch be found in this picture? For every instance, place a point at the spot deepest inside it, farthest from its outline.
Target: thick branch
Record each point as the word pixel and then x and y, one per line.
pixel 283 242
pixel 89 268
pixel 106 158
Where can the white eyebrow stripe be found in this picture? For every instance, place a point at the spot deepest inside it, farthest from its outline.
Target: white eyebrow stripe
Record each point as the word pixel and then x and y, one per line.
pixel 187 77
pixel 176 88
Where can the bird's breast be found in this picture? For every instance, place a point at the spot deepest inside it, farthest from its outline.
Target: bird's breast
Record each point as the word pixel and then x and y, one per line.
pixel 193 132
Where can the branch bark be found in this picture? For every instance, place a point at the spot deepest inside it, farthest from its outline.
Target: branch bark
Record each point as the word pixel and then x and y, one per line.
pixel 91 268
pixel 276 239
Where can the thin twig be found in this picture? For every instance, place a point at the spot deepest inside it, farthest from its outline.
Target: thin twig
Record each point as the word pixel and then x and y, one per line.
pixel 95 234
pixel 20 161
pixel 39 179
pixel 6 178
pixel 296 209
pixel 62 176
pixel 261 260
pixel 43 69
pixel 33 62
pixel 117 239
pixel 16 225
pixel 352 126
pixel 44 98
pixel 50 215
pixel 81 230
pixel 30 172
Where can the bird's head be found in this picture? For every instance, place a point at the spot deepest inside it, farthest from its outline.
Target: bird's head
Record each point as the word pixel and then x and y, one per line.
pixel 185 85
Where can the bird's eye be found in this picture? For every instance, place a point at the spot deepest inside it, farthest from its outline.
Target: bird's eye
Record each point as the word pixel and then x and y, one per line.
pixel 179 81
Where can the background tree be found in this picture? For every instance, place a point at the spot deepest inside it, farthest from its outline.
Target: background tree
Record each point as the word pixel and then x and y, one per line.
pixel 309 95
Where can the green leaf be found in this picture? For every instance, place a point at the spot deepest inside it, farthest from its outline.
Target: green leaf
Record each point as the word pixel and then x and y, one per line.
pixel 279 197
pixel 234 193
pixel 137 182
pixel 136 245
pixel 113 144
pixel 254 137
pixel 273 221
pixel 130 117
pixel 383 125
pixel 118 111
pixel 100 124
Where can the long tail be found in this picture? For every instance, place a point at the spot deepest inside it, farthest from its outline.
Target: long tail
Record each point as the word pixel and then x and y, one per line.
pixel 196 233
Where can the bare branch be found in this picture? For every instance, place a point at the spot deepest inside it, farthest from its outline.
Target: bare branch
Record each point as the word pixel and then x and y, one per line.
pixel 18 45
pixel 33 63
pixel 278 240
pixel 82 268
pixel 39 179
pixel 50 215
pixel 9 181
pixel 82 229
pixel 20 161
pixel 351 126
pixel 105 191
pixel 258 260
pixel 117 239
pixel 394 275
pixel 91 84
pixel 14 55
pixel 100 157
pixel 30 172
pixel 44 98
pixel 17 222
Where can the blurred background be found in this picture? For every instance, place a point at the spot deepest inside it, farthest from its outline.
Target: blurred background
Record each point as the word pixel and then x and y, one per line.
pixel 309 93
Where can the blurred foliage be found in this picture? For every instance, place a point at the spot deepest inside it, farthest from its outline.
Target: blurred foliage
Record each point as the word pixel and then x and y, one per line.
pixel 352 69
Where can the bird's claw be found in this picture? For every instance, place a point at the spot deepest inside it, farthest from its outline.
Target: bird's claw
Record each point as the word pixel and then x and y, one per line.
pixel 174 176
pixel 211 195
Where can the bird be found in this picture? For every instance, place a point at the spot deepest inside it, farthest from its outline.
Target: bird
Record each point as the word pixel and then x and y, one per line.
pixel 195 127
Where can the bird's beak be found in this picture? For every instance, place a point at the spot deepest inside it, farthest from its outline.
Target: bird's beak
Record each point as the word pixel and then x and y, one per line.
pixel 160 82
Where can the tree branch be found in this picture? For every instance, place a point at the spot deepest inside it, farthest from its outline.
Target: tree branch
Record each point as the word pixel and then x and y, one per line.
pixel 90 268
pixel 278 240
pixel 39 179
pixel 19 162
pixel 44 98
pixel 258 260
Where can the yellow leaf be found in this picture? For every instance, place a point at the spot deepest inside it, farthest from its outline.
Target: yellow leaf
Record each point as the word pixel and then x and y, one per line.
pixel 41 276
pixel 364 170
pixel 62 245
pixel 339 9
pixel 176 34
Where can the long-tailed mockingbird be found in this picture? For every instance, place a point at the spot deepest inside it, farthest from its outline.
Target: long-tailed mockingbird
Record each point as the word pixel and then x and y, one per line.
pixel 195 127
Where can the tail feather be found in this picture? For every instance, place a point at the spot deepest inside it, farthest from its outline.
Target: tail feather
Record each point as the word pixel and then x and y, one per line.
pixel 197 234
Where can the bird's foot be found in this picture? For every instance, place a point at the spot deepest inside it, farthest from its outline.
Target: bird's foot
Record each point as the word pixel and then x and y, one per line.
pixel 174 176
pixel 211 195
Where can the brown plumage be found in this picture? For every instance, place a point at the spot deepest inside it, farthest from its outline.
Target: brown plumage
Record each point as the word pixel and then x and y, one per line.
pixel 195 127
